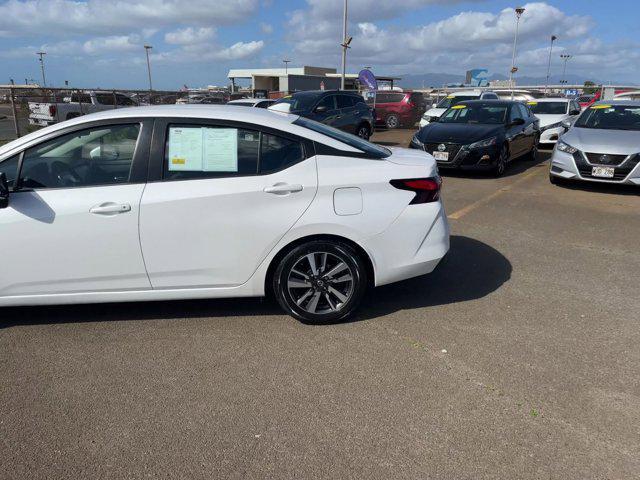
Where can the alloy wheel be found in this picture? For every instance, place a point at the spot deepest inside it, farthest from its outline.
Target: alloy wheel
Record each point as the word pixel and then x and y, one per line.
pixel 320 283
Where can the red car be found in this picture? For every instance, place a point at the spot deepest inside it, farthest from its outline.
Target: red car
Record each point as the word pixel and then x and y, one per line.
pixel 396 109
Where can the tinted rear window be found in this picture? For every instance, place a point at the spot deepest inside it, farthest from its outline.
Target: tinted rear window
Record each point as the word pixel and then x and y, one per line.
pixel 369 148
pixel 389 97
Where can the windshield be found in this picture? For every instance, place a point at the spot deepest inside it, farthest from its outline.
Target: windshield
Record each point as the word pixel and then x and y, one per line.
pixel 451 101
pixel 611 117
pixel 299 101
pixel 351 140
pixel 482 114
pixel 585 98
pixel 548 108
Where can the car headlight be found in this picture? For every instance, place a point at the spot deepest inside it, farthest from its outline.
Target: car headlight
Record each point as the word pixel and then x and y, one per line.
pixel 549 127
pixel 484 143
pixel 565 147
pixel 416 142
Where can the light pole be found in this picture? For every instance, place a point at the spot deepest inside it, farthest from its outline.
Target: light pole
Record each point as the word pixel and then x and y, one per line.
pixel 44 79
pixel 286 66
pixel 345 44
pixel 146 49
pixel 566 58
pixel 519 11
pixel 553 39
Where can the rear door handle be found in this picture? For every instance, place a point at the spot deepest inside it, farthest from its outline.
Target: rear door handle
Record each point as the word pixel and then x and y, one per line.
pixel 283 189
pixel 110 208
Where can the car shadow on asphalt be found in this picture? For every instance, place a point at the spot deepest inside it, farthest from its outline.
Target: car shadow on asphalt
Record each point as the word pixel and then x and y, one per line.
pixel 606 188
pixel 471 270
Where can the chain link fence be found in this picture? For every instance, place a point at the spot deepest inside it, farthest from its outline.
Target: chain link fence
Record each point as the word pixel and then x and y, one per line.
pixel 24 109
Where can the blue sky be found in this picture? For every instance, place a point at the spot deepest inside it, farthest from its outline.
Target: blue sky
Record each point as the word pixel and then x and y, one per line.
pixel 99 43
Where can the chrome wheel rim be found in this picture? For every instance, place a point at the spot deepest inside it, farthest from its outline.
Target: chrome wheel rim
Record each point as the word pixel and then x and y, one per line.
pixel 392 122
pixel 320 283
pixel 362 133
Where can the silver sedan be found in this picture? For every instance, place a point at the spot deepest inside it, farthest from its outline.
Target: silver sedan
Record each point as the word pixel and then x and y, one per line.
pixel 603 145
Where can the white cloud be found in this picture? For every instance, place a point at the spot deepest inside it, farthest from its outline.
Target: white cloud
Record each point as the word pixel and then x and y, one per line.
pixel 190 36
pixel 95 17
pixel 121 43
pixel 468 39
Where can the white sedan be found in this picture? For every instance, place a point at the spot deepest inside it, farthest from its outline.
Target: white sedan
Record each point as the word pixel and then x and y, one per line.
pixel 182 202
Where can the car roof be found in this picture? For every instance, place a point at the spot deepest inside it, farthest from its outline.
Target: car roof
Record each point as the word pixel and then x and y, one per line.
pixel 249 100
pixel 623 103
pixel 465 93
pixel 501 103
pixel 552 99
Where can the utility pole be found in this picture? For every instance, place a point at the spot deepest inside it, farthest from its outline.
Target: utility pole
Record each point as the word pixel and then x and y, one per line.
pixel 345 44
pixel 519 11
pixel 41 55
pixel 146 49
pixel 553 39
pixel 566 58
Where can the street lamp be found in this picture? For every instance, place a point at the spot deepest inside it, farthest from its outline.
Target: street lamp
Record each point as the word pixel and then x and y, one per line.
pixel 553 39
pixel 44 79
pixel 519 11
pixel 345 43
pixel 286 66
pixel 146 49
pixel 566 58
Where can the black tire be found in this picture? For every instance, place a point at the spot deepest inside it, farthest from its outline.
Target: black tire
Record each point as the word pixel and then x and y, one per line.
pixel 392 122
pixel 363 131
pixel 315 294
pixel 501 163
pixel 557 180
pixel 533 154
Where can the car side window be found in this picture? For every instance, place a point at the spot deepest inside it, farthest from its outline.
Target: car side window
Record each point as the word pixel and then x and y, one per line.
pixel 345 101
pixel 524 111
pixel 96 156
pixel 277 153
pixel 194 152
pixel 514 113
pixel 329 102
pixel 10 168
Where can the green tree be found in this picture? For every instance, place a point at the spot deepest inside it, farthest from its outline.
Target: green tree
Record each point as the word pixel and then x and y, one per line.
pixel 590 87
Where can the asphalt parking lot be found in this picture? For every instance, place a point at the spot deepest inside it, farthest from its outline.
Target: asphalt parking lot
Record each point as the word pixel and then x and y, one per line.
pixel 517 358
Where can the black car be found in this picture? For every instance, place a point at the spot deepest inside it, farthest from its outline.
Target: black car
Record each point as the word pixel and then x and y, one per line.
pixel 340 109
pixel 481 134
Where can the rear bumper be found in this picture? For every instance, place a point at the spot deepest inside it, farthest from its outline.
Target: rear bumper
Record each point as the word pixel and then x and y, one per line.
pixel 412 246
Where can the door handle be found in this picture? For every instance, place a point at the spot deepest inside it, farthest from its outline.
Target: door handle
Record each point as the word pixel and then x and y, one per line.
pixel 283 189
pixel 110 208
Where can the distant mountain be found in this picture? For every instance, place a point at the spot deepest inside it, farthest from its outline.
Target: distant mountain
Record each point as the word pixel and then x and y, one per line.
pixel 426 80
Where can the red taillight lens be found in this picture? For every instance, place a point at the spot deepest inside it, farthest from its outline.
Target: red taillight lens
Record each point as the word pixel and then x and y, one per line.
pixel 427 190
pixel 52 110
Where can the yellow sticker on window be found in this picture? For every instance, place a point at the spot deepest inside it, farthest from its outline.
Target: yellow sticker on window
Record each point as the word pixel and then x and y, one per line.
pixel 178 161
pixel 532 103
pixel 600 107
pixel 451 96
pixel 458 107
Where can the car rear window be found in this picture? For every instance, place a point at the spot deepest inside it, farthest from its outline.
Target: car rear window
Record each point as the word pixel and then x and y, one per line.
pixel 369 148
pixel 389 97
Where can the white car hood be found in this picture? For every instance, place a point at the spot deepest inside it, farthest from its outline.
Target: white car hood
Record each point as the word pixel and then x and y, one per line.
pixel 435 112
pixel 613 142
pixel 551 119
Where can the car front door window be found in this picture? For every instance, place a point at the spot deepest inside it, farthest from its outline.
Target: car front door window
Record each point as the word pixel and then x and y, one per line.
pixel 97 156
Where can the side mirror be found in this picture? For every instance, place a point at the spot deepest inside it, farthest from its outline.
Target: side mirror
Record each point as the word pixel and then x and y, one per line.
pixel 574 112
pixel 566 124
pixel 4 191
pixel 321 109
pixel 434 105
pixel 517 122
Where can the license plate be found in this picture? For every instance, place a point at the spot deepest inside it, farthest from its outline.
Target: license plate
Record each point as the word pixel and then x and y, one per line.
pixel 603 172
pixel 441 156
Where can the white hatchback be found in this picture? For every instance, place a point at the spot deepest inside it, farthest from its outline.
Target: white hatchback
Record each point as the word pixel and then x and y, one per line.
pixel 177 202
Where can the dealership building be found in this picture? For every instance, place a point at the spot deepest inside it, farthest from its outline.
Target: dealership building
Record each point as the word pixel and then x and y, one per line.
pixel 275 82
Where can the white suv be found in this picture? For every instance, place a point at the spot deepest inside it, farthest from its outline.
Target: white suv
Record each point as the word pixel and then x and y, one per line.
pixel 450 100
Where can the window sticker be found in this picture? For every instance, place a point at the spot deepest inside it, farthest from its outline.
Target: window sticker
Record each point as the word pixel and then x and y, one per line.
pixel 458 107
pixel 202 149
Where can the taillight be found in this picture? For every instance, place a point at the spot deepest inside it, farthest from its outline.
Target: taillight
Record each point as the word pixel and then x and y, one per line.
pixel 427 190
pixel 52 110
